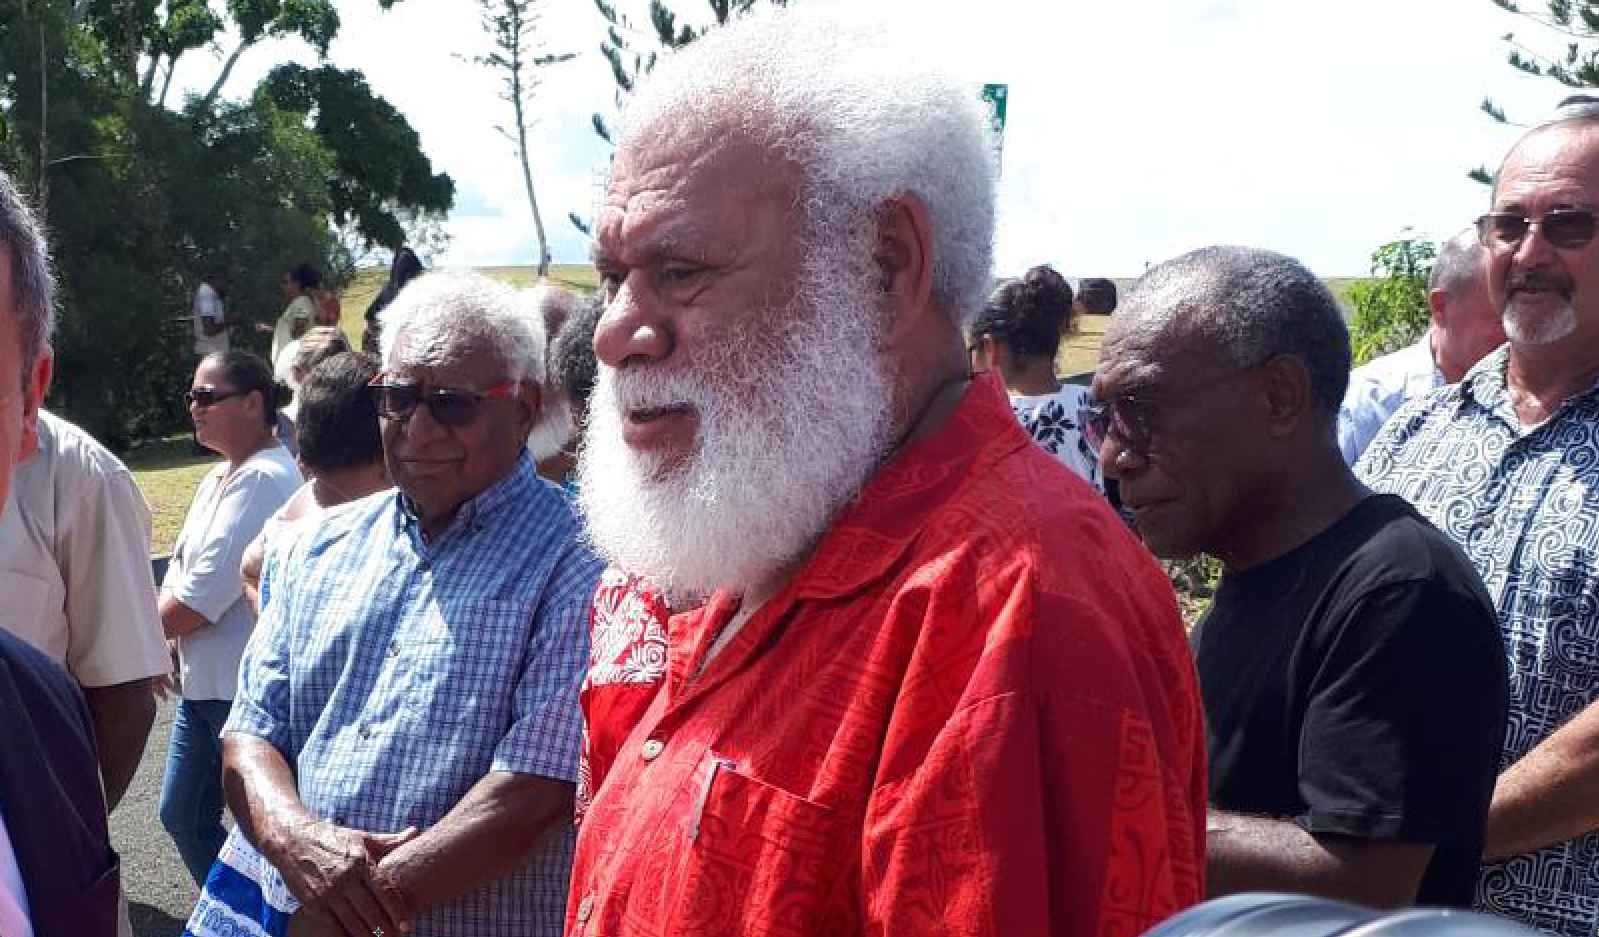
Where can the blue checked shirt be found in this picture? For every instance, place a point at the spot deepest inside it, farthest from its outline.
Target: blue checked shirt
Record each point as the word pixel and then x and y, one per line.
pixel 394 673
pixel 1524 505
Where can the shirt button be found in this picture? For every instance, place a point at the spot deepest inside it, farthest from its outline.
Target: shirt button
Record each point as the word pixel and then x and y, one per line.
pixel 653 749
pixel 586 909
pixel 394 649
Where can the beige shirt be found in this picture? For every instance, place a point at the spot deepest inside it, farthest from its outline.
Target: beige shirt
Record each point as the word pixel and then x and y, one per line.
pixel 75 576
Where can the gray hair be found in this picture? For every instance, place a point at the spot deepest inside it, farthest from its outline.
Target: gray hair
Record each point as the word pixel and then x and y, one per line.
pixel 554 304
pixel 1578 110
pixel 440 312
pixel 1459 264
pixel 862 114
pixel 1254 305
pixel 33 284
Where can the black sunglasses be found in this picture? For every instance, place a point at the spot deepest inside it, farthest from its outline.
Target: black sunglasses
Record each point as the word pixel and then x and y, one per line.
pixel 1565 228
pixel 209 396
pixel 1124 416
pixel 449 406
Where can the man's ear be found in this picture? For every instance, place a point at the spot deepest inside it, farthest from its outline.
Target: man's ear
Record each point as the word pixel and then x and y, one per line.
pixel 904 258
pixel 530 395
pixel 33 399
pixel 1284 382
pixel 1435 302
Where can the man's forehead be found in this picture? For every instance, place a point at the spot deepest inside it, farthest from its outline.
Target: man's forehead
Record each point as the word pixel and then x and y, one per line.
pixel 454 359
pixel 673 190
pixel 1559 165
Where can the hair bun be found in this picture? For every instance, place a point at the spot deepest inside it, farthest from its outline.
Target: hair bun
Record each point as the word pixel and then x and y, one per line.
pixel 1043 294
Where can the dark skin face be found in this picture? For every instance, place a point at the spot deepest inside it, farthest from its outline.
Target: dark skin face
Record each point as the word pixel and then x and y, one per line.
pixel 441 467
pixel 1190 491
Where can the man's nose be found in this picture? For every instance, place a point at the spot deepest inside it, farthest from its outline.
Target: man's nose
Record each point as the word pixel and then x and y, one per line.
pixel 633 326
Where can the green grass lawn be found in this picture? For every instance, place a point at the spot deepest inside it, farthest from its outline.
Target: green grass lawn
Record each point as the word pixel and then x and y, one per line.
pixel 168 473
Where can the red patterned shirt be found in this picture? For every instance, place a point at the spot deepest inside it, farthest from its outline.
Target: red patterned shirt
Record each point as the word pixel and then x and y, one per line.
pixel 627 661
pixel 972 712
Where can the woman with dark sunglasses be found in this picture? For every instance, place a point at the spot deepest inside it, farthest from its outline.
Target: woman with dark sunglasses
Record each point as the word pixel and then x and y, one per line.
pixel 1018 333
pixel 234 403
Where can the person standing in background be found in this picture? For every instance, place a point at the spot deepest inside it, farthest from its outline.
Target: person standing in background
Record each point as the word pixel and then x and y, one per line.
pixel 298 288
pixel 210 318
pixel 405 268
pixel 1018 334
pixel 202 604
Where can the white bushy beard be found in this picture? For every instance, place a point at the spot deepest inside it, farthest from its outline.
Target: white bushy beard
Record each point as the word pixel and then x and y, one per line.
pixel 793 418
pixel 1539 328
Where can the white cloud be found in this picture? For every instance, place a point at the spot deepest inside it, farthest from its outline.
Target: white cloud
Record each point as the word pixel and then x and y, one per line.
pixel 1136 130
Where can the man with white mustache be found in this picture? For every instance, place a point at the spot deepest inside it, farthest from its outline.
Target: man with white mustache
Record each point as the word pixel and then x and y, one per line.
pixel 1507 463
pixel 932 686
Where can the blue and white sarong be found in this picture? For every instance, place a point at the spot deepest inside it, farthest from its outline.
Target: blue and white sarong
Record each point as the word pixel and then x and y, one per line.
pixel 244 896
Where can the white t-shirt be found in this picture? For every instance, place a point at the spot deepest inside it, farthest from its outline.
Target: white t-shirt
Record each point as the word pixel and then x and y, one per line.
pixel 75 561
pixel 14 920
pixel 226 515
pixel 208 307
pixel 1051 419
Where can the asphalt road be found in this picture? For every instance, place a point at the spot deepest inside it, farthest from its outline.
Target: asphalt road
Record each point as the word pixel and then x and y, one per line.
pixel 160 895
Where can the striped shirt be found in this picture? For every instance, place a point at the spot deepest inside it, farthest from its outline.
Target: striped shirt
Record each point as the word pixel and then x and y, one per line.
pixel 394 672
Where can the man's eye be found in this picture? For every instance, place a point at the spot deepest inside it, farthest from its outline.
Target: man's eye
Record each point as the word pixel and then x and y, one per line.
pixel 678 274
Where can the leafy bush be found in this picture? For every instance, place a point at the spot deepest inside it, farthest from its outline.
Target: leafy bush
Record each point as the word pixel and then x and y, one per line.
pixel 1390 310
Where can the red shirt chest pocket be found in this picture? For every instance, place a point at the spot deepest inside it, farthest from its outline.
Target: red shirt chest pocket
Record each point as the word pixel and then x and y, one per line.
pixel 761 861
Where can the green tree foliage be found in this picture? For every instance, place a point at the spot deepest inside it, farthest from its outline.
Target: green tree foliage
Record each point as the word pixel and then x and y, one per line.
pixel 1390 310
pixel 1575 64
pixel 141 201
pixel 381 179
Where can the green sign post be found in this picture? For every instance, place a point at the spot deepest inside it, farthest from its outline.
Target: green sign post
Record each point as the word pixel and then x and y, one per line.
pixel 995 96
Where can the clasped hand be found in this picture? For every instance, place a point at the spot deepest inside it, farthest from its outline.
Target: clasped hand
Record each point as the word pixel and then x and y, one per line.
pixel 334 872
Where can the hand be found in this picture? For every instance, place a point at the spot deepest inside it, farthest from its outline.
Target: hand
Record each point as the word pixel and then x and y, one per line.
pixel 333 871
pixel 310 923
pixel 169 684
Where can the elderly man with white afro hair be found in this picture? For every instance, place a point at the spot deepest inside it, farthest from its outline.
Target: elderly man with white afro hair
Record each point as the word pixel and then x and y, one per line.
pixel 403 747
pixel 930 684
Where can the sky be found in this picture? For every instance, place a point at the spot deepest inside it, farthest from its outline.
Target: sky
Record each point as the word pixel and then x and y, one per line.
pixel 1136 131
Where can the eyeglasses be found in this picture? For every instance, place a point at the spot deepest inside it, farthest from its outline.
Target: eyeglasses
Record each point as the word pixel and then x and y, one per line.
pixel 1129 416
pixel 450 406
pixel 203 397
pixel 1565 228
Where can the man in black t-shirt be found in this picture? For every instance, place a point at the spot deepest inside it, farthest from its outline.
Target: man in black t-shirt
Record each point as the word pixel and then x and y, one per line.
pixel 1352 673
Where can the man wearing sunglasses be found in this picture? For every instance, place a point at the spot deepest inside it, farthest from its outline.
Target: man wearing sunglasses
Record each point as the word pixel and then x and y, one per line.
pixel 405 741
pixel 1507 463
pixel 1351 673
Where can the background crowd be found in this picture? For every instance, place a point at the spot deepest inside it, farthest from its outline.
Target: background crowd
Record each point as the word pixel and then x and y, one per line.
pixel 785 587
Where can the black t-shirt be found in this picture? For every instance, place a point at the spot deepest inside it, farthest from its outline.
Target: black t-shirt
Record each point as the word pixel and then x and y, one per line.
pixel 1356 685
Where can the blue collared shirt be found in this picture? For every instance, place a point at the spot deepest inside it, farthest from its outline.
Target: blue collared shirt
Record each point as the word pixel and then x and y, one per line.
pixel 394 672
pixel 1380 387
pixel 1521 503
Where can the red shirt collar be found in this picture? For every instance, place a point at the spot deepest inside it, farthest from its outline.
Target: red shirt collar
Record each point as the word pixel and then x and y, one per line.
pixel 876 527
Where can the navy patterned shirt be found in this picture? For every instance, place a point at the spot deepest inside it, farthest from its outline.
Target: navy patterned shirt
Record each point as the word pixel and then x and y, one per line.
pixel 394 672
pixel 1521 502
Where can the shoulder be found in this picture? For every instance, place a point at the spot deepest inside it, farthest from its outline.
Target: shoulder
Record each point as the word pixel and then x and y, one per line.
pixel 1031 534
pixel 272 465
pixel 68 449
pixel 1390 547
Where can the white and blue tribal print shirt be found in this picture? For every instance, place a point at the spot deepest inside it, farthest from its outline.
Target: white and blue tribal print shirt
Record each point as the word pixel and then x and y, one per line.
pixel 1521 503
pixel 394 672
